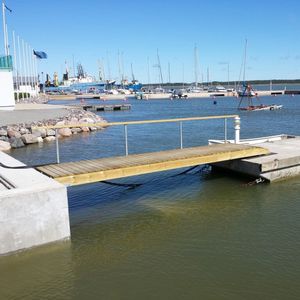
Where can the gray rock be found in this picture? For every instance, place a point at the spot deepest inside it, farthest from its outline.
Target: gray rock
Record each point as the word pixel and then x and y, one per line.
pixel 24 130
pixel 86 120
pixel 16 142
pixel 49 139
pixel 50 132
pixel 61 123
pixel 65 132
pixel 13 133
pixel 40 132
pixel 4 138
pixel 29 139
pixel 3 132
pixel 76 130
pixel 4 146
pixel 85 129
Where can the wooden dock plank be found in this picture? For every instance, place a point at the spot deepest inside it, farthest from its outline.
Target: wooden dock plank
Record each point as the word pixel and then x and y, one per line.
pixel 82 172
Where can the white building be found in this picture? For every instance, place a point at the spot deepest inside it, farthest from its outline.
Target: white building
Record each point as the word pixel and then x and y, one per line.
pixel 7 98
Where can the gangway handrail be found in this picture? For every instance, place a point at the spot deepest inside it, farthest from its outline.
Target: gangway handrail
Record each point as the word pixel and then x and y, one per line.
pixel 126 123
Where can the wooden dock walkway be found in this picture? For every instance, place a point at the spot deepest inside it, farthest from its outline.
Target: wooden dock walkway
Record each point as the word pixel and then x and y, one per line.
pixel 89 171
pixel 101 107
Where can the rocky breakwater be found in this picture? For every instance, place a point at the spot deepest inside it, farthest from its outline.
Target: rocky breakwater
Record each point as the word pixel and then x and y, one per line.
pixel 20 135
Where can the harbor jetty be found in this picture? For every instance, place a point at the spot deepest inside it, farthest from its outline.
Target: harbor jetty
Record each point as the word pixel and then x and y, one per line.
pixel 93 107
pixel 18 127
pixel 283 160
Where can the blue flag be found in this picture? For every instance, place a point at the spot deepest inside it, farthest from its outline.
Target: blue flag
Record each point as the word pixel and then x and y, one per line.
pixel 40 54
pixel 8 8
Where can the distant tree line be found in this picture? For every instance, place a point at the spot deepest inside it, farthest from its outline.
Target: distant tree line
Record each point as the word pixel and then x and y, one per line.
pixel 232 83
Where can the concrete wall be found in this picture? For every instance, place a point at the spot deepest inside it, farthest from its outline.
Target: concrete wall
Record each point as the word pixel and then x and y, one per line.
pixel 33 213
pixel 7 100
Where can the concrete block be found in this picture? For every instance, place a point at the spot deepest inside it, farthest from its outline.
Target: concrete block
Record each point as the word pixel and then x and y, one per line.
pixel 34 211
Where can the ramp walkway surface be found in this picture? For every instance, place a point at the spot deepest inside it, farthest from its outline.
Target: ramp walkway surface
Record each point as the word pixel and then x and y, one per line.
pixel 89 171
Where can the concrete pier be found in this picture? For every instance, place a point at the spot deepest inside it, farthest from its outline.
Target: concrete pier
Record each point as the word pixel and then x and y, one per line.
pixel 33 208
pixel 282 162
pixel 105 107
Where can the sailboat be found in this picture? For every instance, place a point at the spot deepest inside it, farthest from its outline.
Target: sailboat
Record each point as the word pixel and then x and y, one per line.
pixel 247 92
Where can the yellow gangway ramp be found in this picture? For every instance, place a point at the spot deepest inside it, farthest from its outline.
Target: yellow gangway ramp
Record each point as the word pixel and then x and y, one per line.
pixel 89 171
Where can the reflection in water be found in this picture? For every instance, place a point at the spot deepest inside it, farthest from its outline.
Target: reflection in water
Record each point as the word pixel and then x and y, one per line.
pixel 192 236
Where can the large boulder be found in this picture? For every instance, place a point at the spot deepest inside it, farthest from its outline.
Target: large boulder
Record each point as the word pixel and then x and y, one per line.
pixel 29 138
pixel 76 130
pixel 40 139
pixel 16 142
pixel 4 146
pixel 85 129
pixel 60 123
pixel 39 132
pixel 24 130
pixel 49 138
pixel 13 133
pixel 73 121
pixel 50 132
pixel 3 132
pixel 86 121
pixel 65 132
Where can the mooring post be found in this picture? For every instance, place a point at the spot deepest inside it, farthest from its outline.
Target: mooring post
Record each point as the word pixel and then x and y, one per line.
pixel 126 140
pixel 57 147
pixel 237 127
pixel 181 136
pixel 225 130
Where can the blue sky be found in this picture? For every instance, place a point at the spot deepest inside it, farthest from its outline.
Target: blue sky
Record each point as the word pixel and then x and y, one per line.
pixel 92 30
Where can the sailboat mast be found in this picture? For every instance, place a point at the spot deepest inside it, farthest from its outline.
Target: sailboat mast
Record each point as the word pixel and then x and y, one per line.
pixel 148 62
pixel 119 67
pixel 73 60
pixel 196 65
pixel 159 67
pixel 108 66
pixel 245 61
pixel 208 76
pixel 183 75
pixel 132 74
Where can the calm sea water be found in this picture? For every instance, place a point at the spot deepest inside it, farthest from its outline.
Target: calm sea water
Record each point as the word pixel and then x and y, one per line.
pixel 192 236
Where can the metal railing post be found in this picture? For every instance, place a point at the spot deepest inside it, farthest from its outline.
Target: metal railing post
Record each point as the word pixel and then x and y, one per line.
pixel 225 130
pixel 237 127
pixel 126 139
pixel 57 146
pixel 181 135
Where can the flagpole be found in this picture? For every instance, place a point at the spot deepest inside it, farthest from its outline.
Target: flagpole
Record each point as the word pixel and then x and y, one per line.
pixel 31 69
pixel 20 64
pixel 25 68
pixel 4 27
pixel 15 60
pixel 7 44
pixel 28 69
pixel 36 72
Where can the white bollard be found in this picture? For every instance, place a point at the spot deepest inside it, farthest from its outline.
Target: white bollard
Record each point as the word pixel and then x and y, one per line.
pixel 237 127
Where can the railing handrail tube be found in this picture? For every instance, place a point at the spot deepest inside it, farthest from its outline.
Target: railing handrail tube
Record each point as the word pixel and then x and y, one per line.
pixel 125 124
pixel 106 124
